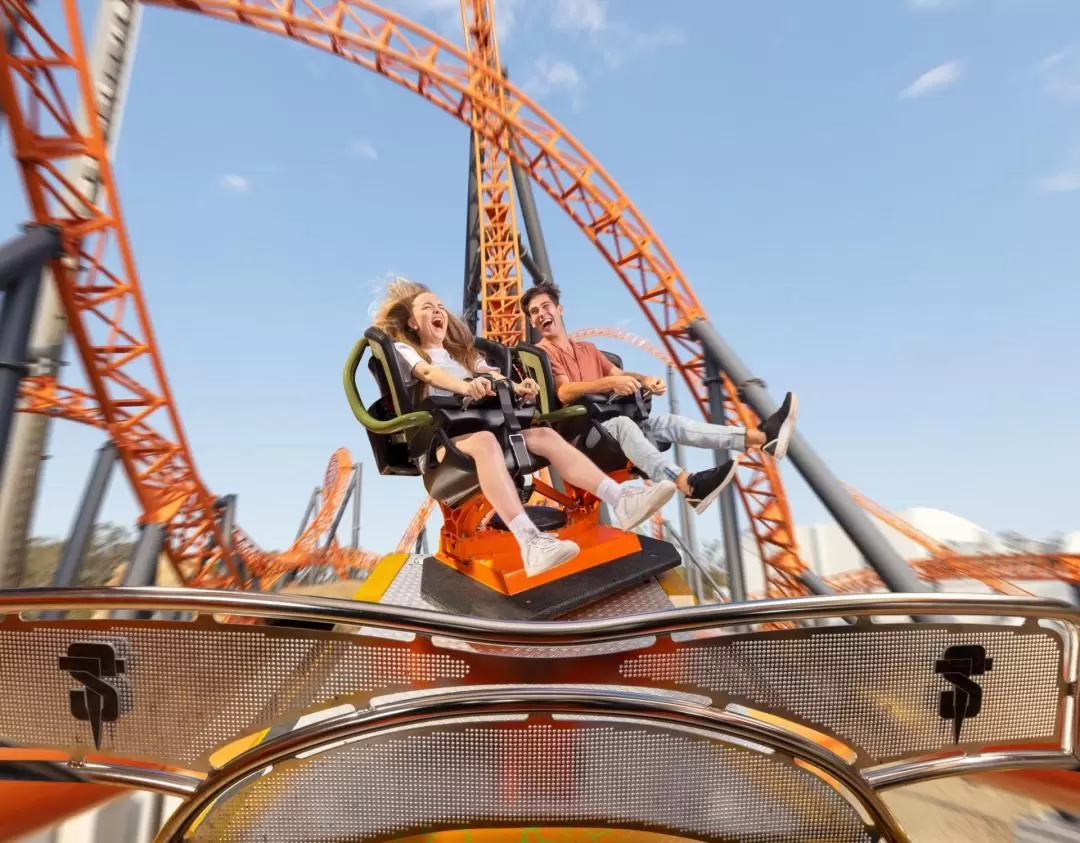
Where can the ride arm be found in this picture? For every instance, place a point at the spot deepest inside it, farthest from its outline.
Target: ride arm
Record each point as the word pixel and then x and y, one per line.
pixel 570 391
pixel 356 403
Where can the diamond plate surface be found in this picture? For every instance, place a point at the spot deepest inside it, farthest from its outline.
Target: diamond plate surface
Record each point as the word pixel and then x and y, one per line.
pixel 642 599
pixel 186 690
pixel 876 689
pixel 460 775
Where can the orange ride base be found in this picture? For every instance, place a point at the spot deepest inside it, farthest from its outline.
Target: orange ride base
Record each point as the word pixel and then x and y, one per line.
pixel 491 556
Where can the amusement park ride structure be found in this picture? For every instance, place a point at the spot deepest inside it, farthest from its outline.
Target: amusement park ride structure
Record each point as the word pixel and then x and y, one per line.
pixel 513 141
pixel 56 99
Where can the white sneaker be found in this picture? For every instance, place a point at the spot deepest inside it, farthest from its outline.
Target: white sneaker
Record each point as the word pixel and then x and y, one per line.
pixel 543 552
pixel 638 503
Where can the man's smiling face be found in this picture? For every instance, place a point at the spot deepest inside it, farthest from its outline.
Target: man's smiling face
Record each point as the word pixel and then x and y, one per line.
pixel 546 316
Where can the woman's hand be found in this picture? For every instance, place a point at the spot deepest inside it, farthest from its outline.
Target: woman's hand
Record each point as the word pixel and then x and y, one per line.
pixel 528 388
pixel 478 388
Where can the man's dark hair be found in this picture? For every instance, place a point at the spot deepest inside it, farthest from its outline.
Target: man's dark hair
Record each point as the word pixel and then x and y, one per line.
pixel 544 288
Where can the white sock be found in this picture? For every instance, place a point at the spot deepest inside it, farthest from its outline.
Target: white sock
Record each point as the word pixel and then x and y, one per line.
pixel 609 491
pixel 523 529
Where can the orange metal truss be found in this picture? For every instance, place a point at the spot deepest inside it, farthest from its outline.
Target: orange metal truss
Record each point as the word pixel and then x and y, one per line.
pixel 500 264
pixel 102 295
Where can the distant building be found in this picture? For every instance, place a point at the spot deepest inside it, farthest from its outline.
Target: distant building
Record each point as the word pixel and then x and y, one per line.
pixel 829 552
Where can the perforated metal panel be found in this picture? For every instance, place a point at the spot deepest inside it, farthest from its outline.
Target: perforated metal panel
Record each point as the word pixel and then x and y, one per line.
pixel 879 689
pixel 587 772
pixel 186 689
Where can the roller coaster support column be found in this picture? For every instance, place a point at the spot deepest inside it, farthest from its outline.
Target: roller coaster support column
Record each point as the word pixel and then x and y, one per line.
pixel 529 215
pixel 729 515
pixel 313 503
pixel 881 556
pixel 22 262
pixel 688 538
pixel 344 505
pixel 143 564
pixel 112 56
pixel 470 309
pixel 82 529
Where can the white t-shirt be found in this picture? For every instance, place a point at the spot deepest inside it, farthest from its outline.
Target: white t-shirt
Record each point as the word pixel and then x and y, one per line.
pixel 440 358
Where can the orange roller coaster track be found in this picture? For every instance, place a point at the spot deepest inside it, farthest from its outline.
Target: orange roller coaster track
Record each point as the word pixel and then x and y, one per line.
pixel 46 92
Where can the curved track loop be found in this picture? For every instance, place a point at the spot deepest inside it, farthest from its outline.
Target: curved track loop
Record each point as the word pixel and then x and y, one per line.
pixel 106 309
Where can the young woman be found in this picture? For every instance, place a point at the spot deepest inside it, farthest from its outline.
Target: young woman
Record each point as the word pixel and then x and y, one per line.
pixel 439 349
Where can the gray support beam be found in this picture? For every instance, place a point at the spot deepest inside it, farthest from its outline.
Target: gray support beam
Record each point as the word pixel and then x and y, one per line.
pixel 227 505
pixel 28 252
pixel 340 514
pixel 879 554
pixel 16 317
pixel 82 529
pixel 313 502
pixel 470 308
pixel 729 513
pixel 358 484
pixel 531 217
pixel 688 535
pixel 142 566
pixel 530 265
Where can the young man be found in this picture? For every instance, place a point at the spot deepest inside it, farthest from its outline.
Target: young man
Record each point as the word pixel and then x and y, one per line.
pixel 579 368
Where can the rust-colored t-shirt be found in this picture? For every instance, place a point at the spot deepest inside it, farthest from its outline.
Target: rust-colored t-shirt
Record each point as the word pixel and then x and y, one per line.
pixel 583 362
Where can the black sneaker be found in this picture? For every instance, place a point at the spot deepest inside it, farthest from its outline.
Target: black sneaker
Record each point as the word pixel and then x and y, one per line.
pixel 706 485
pixel 779 427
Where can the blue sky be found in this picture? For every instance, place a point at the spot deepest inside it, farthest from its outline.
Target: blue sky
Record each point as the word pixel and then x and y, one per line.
pixel 877 202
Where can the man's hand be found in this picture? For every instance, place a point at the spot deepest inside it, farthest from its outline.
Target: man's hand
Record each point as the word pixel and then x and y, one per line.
pixel 527 389
pixel 623 384
pixel 478 388
pixel 654 385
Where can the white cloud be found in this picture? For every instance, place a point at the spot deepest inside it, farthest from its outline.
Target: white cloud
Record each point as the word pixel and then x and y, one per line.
pixel 234 182
pixel 1064 181
pixel 549 76
pixel 939 77
pixel 361 148
pixel 588 15
pixel 1060 74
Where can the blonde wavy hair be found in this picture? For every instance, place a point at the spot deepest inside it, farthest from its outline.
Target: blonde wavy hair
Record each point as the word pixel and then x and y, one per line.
pixel 393 315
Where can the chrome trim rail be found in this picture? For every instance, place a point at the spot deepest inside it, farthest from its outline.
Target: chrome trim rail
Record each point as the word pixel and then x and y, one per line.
pixel 482 630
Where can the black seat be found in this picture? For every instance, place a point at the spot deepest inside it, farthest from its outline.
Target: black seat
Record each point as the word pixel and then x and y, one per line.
pixel 410 448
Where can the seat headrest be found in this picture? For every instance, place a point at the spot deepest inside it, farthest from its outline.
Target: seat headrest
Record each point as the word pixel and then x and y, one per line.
pixel 613 357
pixel 390 372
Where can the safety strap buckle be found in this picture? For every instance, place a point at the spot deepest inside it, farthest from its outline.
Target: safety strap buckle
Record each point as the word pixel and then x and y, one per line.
pixel 520 452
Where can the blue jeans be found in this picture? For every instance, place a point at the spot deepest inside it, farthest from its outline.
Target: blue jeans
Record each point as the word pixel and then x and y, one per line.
pixel 638 443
